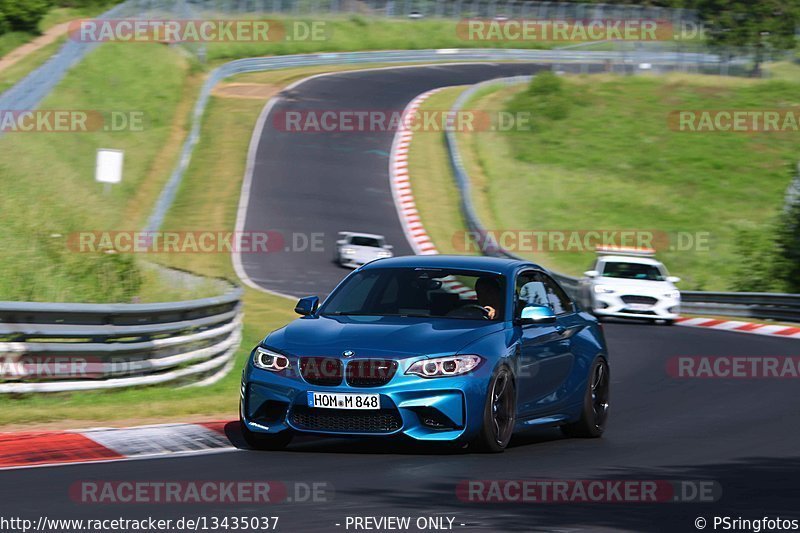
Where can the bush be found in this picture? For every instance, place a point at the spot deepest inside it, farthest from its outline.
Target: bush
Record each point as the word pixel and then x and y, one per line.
pixel 789 248
pixel 24 15
pixel 759 262
pixel 545 99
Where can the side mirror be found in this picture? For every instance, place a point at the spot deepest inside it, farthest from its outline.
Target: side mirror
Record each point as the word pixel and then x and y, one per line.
pixel 388 247
pixel 536 314
pixel 307 306
pixel 673 279
pixel 591 273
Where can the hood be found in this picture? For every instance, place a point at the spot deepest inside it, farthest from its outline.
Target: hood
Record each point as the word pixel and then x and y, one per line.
pixel 636 286
pixel 365 251
pixel 370 336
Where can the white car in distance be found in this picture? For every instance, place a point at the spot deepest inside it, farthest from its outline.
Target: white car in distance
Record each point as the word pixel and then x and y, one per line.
pixel 356 249
pixel 630 283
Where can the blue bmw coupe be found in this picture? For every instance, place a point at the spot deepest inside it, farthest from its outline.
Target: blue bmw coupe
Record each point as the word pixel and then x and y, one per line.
pixel 436 348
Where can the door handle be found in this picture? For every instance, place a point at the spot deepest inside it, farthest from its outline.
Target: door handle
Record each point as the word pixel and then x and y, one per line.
pixel 560 329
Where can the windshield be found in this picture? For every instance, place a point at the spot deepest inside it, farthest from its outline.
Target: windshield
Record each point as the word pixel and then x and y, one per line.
pixel 632 271
pixel 445 293
pixel 365 241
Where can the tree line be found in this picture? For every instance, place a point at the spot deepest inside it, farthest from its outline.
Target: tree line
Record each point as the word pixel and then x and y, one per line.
pixel 25 15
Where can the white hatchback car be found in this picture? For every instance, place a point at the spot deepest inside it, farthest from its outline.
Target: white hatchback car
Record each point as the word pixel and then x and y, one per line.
pixel 630 283
pixel 356 249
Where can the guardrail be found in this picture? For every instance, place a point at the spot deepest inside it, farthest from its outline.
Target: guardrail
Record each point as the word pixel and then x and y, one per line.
pixel 48 347
pixel 760 305
pixel 765 305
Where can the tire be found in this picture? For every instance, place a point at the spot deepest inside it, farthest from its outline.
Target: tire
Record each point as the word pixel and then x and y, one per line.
pixel 594 414
pixel 670 322
pixel 258 441
pixel 499 413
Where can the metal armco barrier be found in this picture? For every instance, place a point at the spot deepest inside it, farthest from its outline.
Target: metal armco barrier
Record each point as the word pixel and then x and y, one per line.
pixel 773 306
pixel 760 305
pixel 49 347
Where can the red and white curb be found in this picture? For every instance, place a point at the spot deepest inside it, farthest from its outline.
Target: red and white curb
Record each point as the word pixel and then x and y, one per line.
pixel 48 448
pixel 401 185
pixel 786 332
pixel 422 244
pixel 403 196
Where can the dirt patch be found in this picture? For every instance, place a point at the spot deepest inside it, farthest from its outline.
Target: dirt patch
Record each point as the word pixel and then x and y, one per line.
pixel 257 91
pixel 17 54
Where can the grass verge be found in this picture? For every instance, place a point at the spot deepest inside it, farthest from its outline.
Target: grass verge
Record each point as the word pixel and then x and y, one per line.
pixel 49 192
pixel 435 192
pixel 28 64
pixel 354 33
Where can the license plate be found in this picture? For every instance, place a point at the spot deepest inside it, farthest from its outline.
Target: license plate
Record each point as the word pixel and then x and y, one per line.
pixel 336 400
pixel 639 307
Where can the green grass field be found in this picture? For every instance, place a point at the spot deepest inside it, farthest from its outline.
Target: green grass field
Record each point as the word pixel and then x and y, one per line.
pixel 49 192
pixel 207 200
pixel 612 162
pixel 354 33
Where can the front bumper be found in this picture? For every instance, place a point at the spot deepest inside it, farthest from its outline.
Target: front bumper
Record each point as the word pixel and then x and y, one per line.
pixel 350 262
pixel 439 409
pixel 635 306
pixel 357 260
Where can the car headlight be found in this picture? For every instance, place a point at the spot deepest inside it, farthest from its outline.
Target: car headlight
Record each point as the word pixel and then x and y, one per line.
pixel 603 289
pixel 348 251
pixel 267 360
pixel 441 367
pixel 383 253
pixel 672 294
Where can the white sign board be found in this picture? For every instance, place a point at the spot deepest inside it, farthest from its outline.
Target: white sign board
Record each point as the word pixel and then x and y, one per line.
pixel 109 165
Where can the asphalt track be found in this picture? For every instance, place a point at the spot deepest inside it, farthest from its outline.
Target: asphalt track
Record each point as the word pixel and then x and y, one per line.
pixel 742 434
pixel 308 184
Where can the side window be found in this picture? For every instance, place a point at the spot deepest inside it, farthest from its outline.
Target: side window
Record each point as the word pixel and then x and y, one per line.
pixel 558 299
pixel 530 290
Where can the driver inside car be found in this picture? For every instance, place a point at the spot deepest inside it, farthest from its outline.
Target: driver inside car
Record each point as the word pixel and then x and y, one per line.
pixel 490 296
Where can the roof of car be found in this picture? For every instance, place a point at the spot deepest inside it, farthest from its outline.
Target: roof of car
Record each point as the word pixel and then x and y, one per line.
pixel 357 234
pixel 630 259
pixel 466 262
